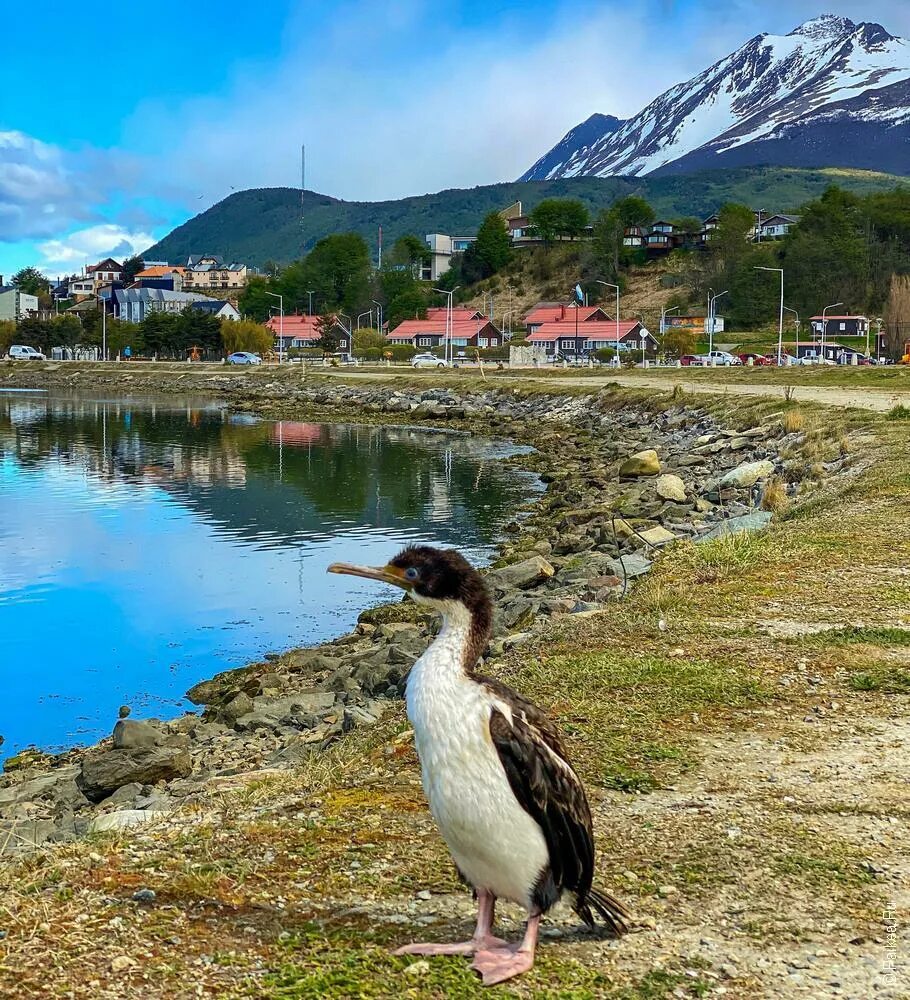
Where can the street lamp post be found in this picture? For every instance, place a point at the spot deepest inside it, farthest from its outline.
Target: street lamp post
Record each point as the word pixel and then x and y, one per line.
pixel 796 314
pixel 610 284
pixel 378 305
pixel 280 298
pixel 447 346
pixel 780 327
pixel 310 293
pixel 366 312
pixel 712 312
pixel 664 313
pixel 833 305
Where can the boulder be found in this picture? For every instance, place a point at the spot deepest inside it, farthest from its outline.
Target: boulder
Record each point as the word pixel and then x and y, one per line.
pixel 642 463
pixel 747 474
pixel 657 536
pixel 670 487
pixel 104 773
pixel 130 735
pixel 521 575
pixel 734 525
pixel 121 820
pixel 239 705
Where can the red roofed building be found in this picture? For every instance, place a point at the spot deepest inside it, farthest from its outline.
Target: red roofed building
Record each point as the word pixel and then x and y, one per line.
pixel 303 331
pixel 560 337
pixel 458 313
pixel 559 312
pixel 476 332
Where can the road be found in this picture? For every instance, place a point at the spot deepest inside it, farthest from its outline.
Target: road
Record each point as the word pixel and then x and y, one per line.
pixel 880 400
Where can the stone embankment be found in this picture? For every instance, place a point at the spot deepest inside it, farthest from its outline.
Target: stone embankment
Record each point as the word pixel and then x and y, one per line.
pixel 624 480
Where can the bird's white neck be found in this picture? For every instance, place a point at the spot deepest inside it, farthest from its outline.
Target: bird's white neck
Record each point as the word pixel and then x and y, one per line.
pixel 445 658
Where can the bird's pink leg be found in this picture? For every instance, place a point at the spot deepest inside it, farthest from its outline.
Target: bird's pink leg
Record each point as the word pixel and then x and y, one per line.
pixel 481 940
pixel 498 964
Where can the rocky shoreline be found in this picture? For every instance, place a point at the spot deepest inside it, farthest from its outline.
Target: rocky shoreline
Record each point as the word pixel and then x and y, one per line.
pixel 626 476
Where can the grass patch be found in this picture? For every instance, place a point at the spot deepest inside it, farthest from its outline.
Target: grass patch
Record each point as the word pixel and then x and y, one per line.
pixel 775 497
pixel 850 634
pixel 884 679
pixel 726 557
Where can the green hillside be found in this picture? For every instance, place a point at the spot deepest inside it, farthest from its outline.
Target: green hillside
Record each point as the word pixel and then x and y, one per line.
pixel 270 224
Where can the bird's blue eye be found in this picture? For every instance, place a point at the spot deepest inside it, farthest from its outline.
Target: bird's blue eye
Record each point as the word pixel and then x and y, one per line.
pixel 411 573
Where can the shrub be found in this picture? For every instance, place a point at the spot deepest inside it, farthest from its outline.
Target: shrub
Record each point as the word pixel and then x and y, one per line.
pixel 775 497
pixel 792 421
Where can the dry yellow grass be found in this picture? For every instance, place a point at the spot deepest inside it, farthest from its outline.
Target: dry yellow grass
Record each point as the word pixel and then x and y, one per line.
pixel 793 421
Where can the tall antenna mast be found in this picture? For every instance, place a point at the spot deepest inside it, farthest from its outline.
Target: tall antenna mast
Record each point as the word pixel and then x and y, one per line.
pixel 302 190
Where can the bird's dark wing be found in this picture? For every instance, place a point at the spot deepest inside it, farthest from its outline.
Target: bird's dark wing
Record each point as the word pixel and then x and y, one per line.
pixel 545 785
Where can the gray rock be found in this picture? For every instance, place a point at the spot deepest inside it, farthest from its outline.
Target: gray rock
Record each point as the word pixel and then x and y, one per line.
pixel 670 487
pixel 521 575
pixel 642 463
pixel 24 835
pixel 239 705
pixel 634 565
pixel 748 474
pixel 104 773
pixel 130 734
pixel 734 525
pixel 121 820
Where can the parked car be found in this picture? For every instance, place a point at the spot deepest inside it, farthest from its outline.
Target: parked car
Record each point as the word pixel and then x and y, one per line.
pixel 689 359
pixel 427 360
pixel 244 358
pixel 757 359
pixel 723 358
pixel 19 352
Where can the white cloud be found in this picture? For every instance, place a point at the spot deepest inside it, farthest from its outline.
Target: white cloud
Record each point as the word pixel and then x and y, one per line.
pixel 36 188
pixel 415 108
pixel 87 246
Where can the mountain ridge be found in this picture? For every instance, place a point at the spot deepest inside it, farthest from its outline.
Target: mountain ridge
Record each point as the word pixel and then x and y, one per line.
pixel 263 224
pixel 829 93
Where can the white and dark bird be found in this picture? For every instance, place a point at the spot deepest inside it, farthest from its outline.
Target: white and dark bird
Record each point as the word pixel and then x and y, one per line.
pixel 507 801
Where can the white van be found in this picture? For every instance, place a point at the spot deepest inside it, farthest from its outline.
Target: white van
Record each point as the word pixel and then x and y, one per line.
pixel 18 352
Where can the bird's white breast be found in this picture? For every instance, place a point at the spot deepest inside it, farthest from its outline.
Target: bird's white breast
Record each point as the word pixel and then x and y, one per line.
pixel 494 842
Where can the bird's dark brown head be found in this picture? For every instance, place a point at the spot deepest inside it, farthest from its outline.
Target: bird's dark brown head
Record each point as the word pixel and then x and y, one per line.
pixel 442 578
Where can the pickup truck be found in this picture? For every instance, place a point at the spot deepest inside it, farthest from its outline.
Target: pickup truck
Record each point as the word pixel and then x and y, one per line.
pixel 718 358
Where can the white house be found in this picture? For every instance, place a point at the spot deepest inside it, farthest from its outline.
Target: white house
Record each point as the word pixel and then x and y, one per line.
pixel 15 305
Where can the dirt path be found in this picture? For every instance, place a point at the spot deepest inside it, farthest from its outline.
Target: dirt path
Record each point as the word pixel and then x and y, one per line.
pixel 879 400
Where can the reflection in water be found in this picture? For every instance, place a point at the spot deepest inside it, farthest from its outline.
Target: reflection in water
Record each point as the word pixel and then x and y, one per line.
pixel 145 544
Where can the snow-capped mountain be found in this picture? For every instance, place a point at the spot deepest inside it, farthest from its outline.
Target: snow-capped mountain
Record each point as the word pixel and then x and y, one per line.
pixel 830 93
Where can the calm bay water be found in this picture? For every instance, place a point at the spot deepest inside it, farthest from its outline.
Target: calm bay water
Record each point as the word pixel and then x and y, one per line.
pixel 147 544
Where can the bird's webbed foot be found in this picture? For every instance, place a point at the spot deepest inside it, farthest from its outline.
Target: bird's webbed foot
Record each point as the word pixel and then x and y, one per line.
pixel 496 965
pixel 471 947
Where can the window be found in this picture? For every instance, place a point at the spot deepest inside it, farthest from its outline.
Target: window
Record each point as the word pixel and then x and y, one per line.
pixel 424 342
pixel 481 341
pixel 843 326
pixel 567 345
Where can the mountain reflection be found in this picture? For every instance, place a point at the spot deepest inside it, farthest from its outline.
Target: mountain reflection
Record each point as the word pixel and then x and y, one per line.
pixel 262 481
pixel 148 543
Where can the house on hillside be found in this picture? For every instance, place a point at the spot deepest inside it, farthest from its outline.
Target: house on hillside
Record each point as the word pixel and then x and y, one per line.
pixel 561 312
pixel 775 228
pixel 477 332
pixel 303 332
pixel 133 304
pixel 105 272
pixel 839 326
pixel 562 338
pixel 161 276
pixel 660 237
pixel 633 236
pixel 16 305
pixel 212 273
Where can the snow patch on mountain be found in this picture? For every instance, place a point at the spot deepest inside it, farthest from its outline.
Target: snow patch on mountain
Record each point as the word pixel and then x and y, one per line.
pixel 773 86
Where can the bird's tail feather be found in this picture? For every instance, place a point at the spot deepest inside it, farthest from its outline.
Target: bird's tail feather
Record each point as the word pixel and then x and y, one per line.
pixel 609 909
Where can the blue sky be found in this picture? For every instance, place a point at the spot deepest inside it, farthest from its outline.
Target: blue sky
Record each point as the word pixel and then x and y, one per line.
pixel 115 129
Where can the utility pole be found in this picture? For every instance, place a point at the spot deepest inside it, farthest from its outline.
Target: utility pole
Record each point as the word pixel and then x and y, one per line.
pixel 780 328
pixel 796 314
pixel 103 331
pixel 610 284
pixel 448 334
pixel 280 298
pixel 712 313
pixel 833 305
pixel 378 305
pixel 310 295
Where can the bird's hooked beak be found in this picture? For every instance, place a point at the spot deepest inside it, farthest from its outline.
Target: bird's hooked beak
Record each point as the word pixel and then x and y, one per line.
pixel 384 574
